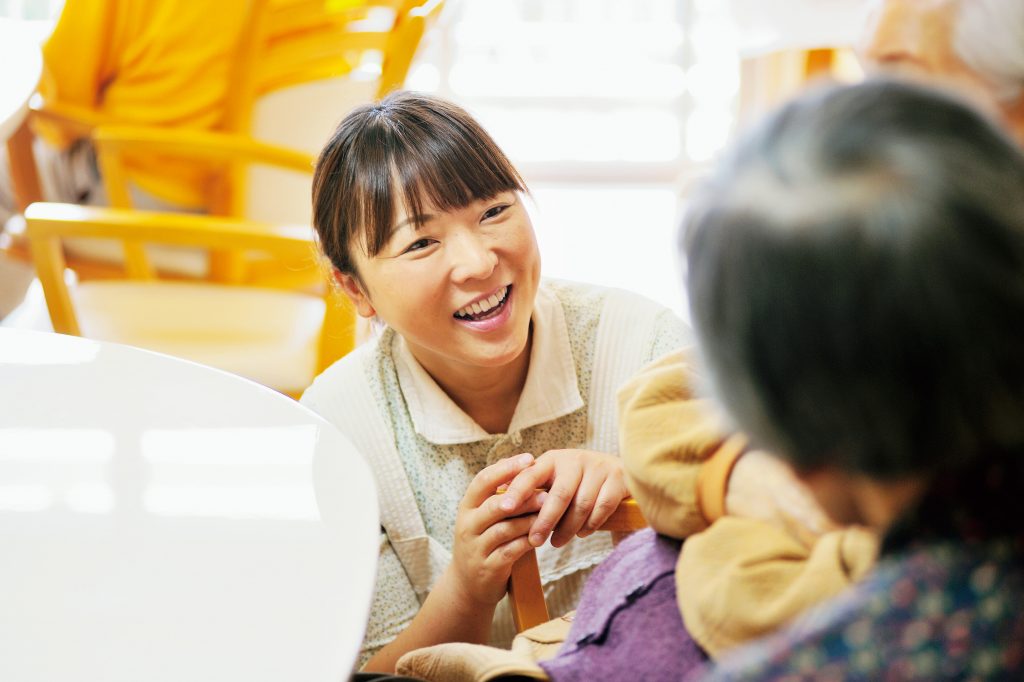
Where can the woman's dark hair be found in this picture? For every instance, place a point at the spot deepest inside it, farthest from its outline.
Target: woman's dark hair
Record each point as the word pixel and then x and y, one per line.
pixel 856 280
pixel 418 147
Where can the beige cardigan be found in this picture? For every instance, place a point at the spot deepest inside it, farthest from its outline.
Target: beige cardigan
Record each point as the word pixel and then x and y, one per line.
pixel 737 579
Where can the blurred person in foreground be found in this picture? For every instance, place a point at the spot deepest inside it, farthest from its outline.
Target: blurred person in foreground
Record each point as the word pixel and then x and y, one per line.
pixel 857 270
pixel 974 48
pixel 856 278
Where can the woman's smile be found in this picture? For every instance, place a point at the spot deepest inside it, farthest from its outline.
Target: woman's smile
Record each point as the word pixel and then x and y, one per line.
pixel 488 313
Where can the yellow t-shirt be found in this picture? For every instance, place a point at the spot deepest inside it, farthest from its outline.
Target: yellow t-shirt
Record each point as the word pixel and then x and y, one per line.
pixel 152 62
pixel 169 63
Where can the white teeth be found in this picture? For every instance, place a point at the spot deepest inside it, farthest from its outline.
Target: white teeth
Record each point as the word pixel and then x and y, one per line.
pixel 484 305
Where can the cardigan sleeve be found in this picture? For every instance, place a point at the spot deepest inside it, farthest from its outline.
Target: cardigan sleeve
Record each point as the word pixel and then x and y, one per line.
pixel 742 578
pixel 666 435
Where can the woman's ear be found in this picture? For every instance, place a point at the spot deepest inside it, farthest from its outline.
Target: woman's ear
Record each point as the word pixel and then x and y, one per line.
pixel 353 288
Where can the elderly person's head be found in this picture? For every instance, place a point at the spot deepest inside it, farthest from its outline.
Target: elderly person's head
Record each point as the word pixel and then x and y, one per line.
pixel 975 46
pixel 856 280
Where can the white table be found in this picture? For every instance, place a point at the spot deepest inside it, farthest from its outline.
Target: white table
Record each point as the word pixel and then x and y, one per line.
pixel 160 520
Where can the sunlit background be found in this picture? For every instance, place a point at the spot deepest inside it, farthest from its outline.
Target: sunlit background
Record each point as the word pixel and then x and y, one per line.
pixel 608 108
pixel 611 109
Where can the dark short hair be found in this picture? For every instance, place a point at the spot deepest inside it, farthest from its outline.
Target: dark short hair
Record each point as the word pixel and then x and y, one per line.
pixel 421 148
pixel 856 280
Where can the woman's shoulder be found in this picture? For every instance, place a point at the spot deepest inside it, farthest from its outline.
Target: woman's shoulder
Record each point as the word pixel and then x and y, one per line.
pixel 639 315
pixel 583 295
pixel 335 387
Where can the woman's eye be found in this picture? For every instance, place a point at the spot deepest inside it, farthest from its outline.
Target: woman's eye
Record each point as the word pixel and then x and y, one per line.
pixel 494 211
pixel 417 245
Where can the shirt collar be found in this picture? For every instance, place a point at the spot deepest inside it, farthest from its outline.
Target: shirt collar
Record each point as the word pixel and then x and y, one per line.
pixel 551 390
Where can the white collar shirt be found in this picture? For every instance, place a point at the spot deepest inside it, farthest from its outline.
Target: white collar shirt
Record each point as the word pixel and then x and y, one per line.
pixel 551 389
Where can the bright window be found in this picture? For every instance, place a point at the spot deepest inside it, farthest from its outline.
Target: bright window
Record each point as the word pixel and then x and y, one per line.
pixel 608 107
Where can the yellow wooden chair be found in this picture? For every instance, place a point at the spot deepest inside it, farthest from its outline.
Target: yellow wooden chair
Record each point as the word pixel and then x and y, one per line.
pixel 278 337
pixel 525 592
pixel 296 93
pixel 294 75
pixel 331 41
pixel 221 153
pixel 114 144
pixel 300 42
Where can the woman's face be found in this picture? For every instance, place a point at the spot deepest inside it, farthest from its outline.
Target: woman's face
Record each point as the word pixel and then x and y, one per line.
pixel 459 288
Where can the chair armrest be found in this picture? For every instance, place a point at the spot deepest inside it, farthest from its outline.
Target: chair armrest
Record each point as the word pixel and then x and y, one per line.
pixel 51 220
pixel 210 146
pixel 72 120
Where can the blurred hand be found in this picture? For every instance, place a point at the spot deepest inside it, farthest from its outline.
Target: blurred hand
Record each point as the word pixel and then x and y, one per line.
pixel 584 488
pixel 764 487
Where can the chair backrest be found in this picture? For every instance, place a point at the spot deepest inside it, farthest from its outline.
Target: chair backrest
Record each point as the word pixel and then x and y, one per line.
pixel 287 51
pixel 114 145
pixel 301 94
pixel 217 149
pixel 525 591
pixel 49 225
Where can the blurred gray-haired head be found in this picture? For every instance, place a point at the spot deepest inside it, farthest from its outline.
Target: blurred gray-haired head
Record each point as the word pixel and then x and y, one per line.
pixel 855 272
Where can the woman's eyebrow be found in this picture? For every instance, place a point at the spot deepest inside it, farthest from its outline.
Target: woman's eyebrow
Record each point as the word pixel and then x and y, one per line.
pixel 415 221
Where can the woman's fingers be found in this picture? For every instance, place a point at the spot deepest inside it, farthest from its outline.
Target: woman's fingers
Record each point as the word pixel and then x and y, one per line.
pixel 594 501
pixel 608 500
pixel 487 481
pixel 561 495
pixel 585 489
pixel 503 533
pixel 527 482
pixel 478 521
pixel 583 506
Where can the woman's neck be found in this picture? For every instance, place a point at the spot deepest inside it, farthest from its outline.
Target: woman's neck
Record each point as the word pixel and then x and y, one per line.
pixel 489 395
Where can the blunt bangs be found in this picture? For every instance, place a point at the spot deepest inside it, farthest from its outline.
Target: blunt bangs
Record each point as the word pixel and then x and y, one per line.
pixel 412 148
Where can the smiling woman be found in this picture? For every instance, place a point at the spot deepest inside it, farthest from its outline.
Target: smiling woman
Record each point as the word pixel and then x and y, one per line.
pixel 467 321
pixel 480 362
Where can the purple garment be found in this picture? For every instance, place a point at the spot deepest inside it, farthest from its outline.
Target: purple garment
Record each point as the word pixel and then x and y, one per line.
pixel 627 625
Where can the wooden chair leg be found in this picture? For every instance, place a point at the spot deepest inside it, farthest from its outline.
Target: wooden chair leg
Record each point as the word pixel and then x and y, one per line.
pixel 525 591
pixel 526 595
pixel 24 175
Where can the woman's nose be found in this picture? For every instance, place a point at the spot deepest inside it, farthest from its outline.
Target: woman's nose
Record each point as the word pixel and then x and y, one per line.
pixel 471 257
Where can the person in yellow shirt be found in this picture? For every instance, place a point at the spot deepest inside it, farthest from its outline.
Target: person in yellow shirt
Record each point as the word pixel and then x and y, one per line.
pixel 161 63
pixel 158 62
